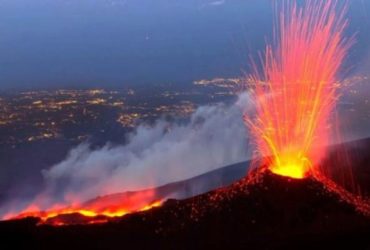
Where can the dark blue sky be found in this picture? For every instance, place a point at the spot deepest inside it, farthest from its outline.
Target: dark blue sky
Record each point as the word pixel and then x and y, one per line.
pixel 78 43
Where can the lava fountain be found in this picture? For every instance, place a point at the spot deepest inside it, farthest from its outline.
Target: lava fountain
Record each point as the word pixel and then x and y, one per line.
pixel 297 88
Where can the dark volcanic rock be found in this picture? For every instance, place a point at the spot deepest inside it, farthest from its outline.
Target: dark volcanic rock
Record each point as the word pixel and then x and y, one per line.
pixel 271 213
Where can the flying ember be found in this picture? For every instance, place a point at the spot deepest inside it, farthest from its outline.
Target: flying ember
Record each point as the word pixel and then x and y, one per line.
pixel 298 86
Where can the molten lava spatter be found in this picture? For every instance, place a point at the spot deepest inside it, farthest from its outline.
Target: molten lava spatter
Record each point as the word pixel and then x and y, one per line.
pixel 292 170
pixel 297 91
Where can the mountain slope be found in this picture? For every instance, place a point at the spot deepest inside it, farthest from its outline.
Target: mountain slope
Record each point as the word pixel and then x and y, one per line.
pixel 271 213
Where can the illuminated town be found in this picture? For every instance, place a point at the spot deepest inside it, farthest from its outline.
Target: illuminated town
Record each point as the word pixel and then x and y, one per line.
pixel 77 115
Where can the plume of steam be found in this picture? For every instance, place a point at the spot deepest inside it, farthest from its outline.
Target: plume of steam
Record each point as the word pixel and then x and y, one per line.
pixel 214 137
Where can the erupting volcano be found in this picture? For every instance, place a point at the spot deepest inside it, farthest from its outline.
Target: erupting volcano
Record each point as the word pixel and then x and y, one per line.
pixel 295 97
pixel 286 202
pixel 297 91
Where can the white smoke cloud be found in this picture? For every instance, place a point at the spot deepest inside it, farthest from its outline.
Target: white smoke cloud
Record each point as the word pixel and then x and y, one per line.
pixel 216 3
pixel 157 155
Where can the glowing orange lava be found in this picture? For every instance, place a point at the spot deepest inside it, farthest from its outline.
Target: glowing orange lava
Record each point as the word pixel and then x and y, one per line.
pixel 297 91
pixel 95 211
pixel 45 215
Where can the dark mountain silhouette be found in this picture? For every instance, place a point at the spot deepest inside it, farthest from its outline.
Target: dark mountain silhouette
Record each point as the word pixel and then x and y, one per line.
pixel 263 212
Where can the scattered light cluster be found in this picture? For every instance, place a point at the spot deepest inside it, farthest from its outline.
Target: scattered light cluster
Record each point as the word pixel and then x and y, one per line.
pixel 76 115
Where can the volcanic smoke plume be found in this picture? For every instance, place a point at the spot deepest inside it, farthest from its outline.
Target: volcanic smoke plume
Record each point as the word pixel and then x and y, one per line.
pixel 299 86
pixel 154 156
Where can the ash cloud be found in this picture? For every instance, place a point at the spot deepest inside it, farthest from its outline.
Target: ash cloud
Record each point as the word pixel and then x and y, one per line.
pixel 214 137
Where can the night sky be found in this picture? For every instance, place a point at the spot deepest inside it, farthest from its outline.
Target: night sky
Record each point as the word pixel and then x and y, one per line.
pixel 115 43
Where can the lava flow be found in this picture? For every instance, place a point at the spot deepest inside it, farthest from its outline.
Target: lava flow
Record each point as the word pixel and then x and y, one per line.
pixel 298 86
pixel 99 210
